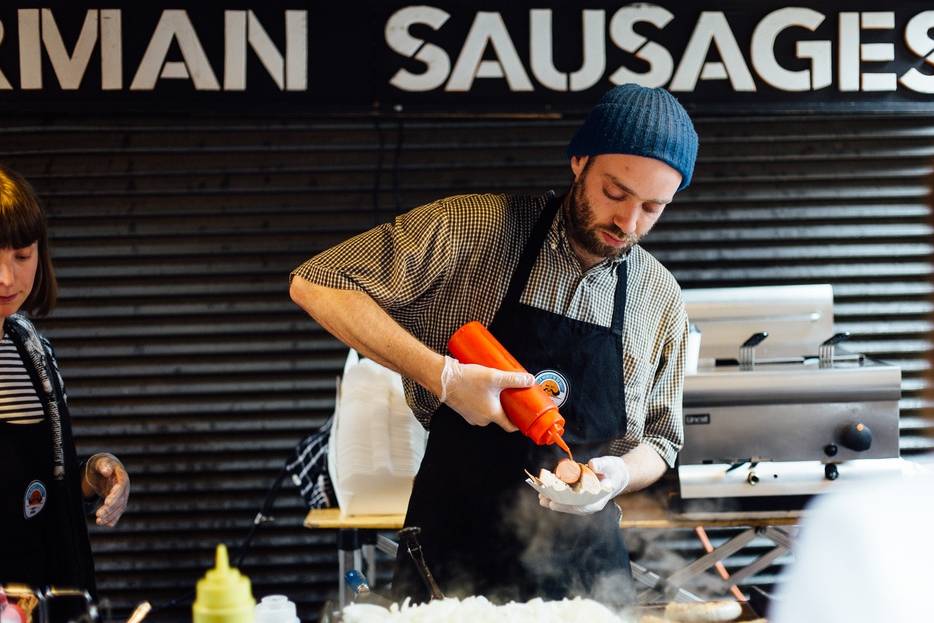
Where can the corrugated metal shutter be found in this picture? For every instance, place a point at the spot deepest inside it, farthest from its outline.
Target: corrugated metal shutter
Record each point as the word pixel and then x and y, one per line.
pixel 173 239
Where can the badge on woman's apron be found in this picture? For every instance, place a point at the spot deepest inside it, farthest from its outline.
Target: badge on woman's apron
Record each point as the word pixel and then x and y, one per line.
pixel 34 499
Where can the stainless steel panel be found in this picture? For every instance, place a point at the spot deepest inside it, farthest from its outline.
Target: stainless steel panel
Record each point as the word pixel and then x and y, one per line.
pixel 791 384
pixel 786 432
pixel 797 318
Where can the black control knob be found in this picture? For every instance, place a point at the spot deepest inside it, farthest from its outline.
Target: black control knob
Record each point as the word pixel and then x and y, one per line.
pixel 856 437
pixel 830 471
pixel 830 449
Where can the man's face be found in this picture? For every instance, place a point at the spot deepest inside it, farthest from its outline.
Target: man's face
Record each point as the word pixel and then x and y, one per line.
pixel 615 201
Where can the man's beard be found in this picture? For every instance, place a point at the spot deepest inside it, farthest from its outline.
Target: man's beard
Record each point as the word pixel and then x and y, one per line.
pixel 581 229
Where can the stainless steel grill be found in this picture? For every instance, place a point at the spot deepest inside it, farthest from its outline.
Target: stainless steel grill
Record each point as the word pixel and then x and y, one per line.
pixel 775 408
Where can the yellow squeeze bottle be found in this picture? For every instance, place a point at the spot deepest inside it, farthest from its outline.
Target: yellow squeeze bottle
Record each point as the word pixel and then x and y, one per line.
pixel 223 594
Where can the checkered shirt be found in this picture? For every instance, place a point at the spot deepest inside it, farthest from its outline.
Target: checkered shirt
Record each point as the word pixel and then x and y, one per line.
pixel 448 262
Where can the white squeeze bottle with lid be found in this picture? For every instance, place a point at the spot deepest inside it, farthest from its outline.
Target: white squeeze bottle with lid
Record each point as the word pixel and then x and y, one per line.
pixel 223 594
pixel 275 609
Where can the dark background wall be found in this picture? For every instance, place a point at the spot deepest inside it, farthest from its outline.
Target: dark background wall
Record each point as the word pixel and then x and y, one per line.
pixel 173 238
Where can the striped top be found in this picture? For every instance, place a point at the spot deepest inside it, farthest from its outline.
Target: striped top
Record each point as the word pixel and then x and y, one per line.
pixel 19 403
pixel 445 263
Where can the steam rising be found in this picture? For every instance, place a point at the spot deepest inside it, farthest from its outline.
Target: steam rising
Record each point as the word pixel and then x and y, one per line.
pixel 556 547
pixel 559 557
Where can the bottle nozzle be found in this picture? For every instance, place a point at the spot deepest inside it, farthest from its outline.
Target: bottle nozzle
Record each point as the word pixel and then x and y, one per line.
pixel 223 594
pixel 556 438
pixel 221 560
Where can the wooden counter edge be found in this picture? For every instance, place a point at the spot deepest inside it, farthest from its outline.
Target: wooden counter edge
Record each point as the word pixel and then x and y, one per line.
pixel 330 518
pixel 640 517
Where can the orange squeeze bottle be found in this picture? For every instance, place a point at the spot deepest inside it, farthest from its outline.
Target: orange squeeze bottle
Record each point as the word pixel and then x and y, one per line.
pixel 529 408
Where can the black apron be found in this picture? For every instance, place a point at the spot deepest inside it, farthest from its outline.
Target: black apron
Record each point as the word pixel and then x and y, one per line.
pixel 45 537
pixel 483 531
pixel 30 497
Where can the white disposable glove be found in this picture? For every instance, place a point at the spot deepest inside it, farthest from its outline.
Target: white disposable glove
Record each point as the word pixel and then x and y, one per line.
pixel 611 469
pixel 473 391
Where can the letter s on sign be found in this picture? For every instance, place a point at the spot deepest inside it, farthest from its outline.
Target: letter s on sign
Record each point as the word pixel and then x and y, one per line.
pixel 626 38
pixel 436 59
pixel 917 40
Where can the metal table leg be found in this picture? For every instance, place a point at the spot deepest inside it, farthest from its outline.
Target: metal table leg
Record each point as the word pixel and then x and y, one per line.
pixel 757 565
pixel 782 537
pixel 657 587
pixel 368 546
pixel 348 557
pixel 670 587
pixel 703 563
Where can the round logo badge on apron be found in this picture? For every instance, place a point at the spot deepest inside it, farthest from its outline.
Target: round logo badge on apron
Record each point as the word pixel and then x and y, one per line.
pixel 35 498
pixel 554 384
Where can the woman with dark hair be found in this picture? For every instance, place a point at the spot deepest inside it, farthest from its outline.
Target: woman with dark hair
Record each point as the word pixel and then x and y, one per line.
pixel 45 492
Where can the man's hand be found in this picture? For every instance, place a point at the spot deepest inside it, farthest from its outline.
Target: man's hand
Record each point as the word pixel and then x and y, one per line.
pixel 105 476
pixel 473 391
pixel 610 469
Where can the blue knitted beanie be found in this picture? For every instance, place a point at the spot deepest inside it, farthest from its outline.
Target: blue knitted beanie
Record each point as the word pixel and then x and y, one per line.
pixel 636 120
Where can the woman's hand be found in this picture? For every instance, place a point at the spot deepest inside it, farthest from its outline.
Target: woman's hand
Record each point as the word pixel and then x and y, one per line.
pixel 105 476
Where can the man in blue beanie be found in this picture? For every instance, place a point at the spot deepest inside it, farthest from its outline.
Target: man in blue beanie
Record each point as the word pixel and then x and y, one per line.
pixel 562 283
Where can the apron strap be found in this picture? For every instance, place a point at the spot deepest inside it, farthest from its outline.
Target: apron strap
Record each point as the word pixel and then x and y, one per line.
pixel 520 276
pixel 619 302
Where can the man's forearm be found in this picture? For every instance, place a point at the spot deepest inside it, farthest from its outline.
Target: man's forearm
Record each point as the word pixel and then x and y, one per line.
pixel 358 321
pixel 645 467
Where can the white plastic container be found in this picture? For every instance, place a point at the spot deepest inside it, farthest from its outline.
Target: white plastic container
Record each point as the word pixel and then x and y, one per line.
pixel 376 444
pixel 275 609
